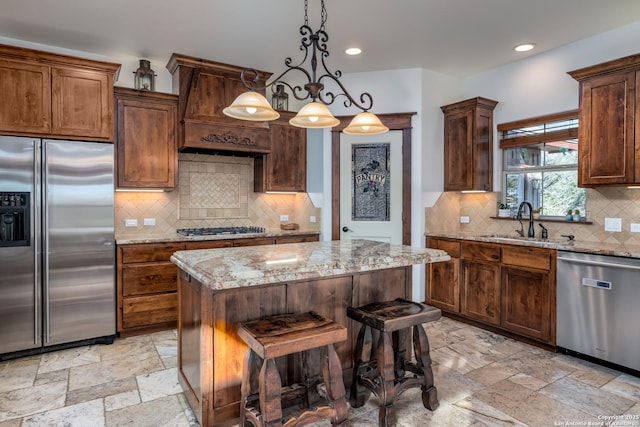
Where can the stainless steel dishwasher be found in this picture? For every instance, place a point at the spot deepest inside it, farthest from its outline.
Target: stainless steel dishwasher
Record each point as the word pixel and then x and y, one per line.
pixel 598 307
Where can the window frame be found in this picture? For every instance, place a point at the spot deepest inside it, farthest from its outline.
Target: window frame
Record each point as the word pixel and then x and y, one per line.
pixel 546 133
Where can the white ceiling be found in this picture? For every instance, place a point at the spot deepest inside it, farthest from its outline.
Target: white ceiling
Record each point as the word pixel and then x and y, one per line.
pixel 455 37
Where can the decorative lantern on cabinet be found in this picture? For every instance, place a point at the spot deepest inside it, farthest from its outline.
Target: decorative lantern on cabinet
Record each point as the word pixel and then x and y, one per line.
pixel 144 76
pixel 280 99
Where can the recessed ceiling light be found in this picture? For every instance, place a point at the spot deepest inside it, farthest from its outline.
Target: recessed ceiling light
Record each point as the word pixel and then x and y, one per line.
pixel 353 51
pixel 525 47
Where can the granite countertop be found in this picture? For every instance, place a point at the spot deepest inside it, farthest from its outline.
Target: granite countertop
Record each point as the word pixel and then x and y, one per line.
pixel 175 237
pixel 228 268
pixel 600 248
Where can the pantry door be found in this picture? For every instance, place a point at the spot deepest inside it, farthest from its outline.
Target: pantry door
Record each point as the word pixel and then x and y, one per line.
pixel 371 187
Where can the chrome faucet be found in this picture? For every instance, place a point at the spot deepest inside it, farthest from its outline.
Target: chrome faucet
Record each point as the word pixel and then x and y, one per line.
pixel 531 232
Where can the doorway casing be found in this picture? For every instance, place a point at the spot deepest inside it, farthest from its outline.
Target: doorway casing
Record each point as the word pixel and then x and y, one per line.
pixel 394 121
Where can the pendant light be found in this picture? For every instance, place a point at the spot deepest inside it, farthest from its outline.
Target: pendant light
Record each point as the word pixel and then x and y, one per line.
pixel 251 106
pixel 314 114
pixel 365 124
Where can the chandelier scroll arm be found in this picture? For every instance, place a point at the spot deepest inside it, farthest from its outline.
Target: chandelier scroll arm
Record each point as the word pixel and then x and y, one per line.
pixel 366 100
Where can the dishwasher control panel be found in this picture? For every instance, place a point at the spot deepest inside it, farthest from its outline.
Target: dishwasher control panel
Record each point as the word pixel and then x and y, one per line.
pixel 601 284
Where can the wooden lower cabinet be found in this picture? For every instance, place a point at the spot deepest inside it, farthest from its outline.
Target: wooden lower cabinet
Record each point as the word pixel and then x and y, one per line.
pixel 526 302
pixel 211 354
pixel 480 291
pixel 443 277
pixel 508 287
pixel 147 287
pixel 147 280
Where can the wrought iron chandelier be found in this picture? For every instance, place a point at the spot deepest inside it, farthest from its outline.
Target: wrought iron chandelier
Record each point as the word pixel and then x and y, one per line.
pixel 253 106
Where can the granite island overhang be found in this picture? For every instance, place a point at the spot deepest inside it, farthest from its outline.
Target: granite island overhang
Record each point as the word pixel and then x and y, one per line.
pixel 218 288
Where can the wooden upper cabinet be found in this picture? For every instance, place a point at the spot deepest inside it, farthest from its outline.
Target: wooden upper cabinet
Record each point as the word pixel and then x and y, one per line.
pixel 609 130
pixel 82 103
pixel 205 88
pixel 285 167
pixel 468 145
pixel 51 95
pixel 146 137
pixel 26 97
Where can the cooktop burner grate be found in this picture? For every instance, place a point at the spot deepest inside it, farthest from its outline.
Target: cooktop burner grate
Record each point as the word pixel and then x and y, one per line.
pixel 219 230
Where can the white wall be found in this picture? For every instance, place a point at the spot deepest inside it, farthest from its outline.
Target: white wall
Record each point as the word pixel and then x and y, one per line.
pixel 531 87
pixel 540 85
pixel 399 91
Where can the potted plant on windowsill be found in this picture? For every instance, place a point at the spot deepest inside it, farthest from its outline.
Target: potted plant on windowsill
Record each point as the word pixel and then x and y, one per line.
pixel 576 215
pixel 537 212
pixel 503 210
pixel 570 215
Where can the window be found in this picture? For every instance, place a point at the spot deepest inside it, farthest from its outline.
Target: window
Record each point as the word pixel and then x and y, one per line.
pixel 540 164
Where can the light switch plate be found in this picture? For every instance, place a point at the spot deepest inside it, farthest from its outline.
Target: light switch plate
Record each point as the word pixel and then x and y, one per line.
pixel 613 224
pixel 284 217
pixel 312 219
pixel 149 221
pixel 464 220
pixel 130 222
pixel 635 228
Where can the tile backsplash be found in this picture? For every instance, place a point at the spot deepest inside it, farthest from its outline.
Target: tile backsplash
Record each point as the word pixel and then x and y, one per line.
pixel 213 191
pixel 618 202
pixel 212 187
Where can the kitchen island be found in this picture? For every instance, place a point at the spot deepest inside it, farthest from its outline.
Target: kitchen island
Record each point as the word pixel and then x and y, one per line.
pixel 217 288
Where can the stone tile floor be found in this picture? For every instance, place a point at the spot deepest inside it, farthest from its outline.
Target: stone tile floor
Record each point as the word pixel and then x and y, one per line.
pixel 483 379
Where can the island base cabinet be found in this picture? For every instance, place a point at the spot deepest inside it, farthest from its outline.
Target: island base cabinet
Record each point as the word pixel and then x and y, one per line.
pixel 211 354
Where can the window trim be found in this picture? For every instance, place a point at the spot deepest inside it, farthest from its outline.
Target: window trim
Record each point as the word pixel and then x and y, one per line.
pixel 542 137
pixel 519 141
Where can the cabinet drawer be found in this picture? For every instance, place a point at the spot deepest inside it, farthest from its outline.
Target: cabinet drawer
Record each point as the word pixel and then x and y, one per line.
pixel 481 251
pixel 527 257
pixel 149 310
pixel 209 244
pixel 149 252
pixel 140 279
pixel 254 241
pixel 296 239
pixel 450 247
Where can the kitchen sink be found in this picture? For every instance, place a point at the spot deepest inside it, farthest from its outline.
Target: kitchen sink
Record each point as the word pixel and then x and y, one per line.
pixel 516 238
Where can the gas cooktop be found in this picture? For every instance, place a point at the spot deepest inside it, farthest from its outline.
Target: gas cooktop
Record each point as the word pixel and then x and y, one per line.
pixel 219 230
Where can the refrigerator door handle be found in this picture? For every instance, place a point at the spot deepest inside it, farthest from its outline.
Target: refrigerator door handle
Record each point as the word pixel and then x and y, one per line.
pixel 45 249
pixel 37 165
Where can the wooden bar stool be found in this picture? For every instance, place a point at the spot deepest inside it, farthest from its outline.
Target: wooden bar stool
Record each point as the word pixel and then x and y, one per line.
pixel 262 392
pixel 383 368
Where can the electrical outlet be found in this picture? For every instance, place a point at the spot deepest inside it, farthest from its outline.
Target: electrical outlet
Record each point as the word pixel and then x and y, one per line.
pixel 312 219
pixel 284 217
pixel 613 224
pixel 464 220
pixel 130 222
pixel 635 228
pixel 149 221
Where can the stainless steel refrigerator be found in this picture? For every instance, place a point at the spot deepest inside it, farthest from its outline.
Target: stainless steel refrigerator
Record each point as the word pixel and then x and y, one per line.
pixel 57 251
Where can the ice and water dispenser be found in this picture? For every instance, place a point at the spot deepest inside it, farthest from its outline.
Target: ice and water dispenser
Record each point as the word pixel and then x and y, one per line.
pixel 14 219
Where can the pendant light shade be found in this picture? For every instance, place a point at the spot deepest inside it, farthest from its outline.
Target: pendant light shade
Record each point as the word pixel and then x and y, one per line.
pixel 251 106
pixel 314 115
pixel 365 124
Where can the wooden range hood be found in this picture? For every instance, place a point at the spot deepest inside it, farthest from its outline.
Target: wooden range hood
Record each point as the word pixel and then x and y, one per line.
pixel 204 89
